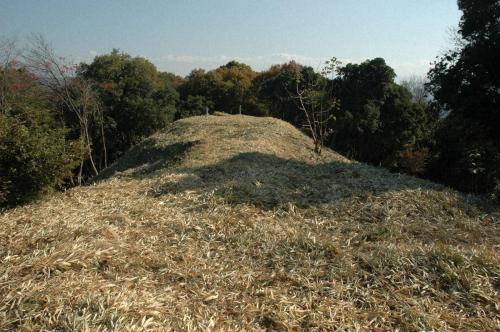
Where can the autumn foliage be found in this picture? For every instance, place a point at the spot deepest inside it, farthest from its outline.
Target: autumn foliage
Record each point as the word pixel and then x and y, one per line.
pixel 412 160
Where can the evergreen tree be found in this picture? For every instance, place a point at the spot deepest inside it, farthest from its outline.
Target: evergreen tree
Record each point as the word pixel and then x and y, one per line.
pixel 35 155
pixel 224 89
pixel 135 98
pixel 377 118
pixel 465 83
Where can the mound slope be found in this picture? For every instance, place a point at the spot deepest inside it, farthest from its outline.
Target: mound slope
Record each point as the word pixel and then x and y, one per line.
pixel 232 223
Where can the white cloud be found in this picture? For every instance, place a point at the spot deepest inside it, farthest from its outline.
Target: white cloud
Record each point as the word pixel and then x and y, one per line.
pixel 183 64
pixel 191 59
pixel 93 52
pixel 406 69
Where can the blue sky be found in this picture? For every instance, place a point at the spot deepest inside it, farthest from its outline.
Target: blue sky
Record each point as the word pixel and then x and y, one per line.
pixel 179 35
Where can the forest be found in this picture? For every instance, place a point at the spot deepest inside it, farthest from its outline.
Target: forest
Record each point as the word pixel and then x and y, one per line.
pixel 62 123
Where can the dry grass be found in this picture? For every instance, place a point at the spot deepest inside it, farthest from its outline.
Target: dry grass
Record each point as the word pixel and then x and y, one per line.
pixel 232 223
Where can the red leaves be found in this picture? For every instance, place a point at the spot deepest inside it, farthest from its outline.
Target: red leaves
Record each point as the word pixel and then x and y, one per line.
pixel 56 99
pixel 17 86
pixel 86 100
pixel 108 85
pixel 412 160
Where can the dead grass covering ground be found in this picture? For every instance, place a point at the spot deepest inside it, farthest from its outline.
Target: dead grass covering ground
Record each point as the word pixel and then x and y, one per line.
pixel 231 223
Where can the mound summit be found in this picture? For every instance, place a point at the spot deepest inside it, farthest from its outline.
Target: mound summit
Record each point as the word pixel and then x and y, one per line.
pixel 233 223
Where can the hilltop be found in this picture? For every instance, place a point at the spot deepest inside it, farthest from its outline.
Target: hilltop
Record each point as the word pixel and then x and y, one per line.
pixel 233 223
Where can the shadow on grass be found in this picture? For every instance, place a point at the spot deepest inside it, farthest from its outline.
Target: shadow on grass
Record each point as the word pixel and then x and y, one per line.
pixel 345 191
pixel 269 181
pixel 144 159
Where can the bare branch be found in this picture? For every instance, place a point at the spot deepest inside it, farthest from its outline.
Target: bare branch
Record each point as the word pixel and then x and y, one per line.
pixel 8 59
pixel 60 79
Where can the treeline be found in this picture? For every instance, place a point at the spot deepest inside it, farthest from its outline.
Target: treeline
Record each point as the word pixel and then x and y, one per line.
pixel 61 124
pixel 375 120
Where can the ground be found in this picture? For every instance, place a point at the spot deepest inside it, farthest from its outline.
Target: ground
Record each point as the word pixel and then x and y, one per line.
pixel 233 223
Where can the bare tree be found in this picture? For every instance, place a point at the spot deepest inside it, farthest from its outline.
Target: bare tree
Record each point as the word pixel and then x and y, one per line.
pixel 416 85
pixel 73 92
pixel 100 114
pixel 8 60
pixel 314 97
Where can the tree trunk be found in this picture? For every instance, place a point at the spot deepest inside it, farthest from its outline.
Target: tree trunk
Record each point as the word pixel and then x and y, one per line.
pixel 89 148
pixel 80 172
pixel 104 142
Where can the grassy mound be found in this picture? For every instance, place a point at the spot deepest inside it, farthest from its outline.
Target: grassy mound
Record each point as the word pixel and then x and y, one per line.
pixel 232 223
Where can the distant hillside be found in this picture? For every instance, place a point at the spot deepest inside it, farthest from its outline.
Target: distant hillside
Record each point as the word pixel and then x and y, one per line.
pixel 233 223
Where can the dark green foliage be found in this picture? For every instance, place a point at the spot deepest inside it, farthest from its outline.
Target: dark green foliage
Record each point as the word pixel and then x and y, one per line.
pixel 376 121
pixel 402 122
pixel 253 106
pixel 495 193
pixel 366 115
pixel 279 88
pixel 465 83
pixel 32 159
pixel 224 89
pixel 194 105
pixel 377 117
pixel 198 83
pixel 276 87
pixel 362 89
pixel 34 153
pixel 175 80
pixel 43 139
pixel 135 98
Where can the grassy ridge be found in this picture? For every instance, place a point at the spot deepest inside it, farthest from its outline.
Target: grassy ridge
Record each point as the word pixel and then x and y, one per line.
pixel 232 223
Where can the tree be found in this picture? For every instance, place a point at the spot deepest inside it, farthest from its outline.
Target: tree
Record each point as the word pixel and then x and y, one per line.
pixel 194 105
pixel 233 82
pixel 228 88
pixel 274 86
pixel 135 98
pixel 174 80
pixel 362 89
pixel 33 158
pixel 465 84
pixel 300 96
pixel 8 59
pixel 35 155
pixel 416 85
pixel 316 100
pixel 72 93
pixel 377 118
pixel 404 125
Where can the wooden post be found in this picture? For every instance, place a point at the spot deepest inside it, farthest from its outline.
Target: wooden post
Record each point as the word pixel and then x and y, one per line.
pixel 206 110
pixel 240 109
